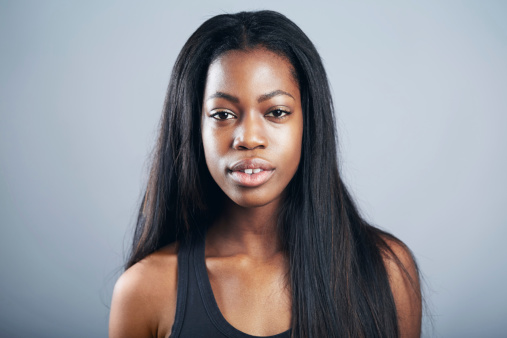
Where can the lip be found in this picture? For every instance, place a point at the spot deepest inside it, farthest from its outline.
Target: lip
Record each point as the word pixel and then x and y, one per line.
pixel 251 163
pixel 254 179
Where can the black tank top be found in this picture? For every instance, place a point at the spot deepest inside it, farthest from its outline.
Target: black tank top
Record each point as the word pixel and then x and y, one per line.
pixel 197 312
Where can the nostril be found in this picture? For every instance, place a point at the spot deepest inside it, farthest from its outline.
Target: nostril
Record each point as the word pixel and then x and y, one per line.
pixel 242 147
pixel 250 138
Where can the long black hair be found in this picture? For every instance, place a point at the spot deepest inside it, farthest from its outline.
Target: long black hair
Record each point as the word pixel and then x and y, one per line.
pixel 337 277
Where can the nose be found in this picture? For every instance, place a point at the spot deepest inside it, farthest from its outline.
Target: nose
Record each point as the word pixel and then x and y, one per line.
pixel 250 133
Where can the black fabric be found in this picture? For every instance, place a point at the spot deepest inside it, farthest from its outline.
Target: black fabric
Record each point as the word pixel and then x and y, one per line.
pixel 197 313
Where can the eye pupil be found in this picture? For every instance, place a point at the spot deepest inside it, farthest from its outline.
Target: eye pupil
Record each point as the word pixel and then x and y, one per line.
pixel 222 115
pixel 278 113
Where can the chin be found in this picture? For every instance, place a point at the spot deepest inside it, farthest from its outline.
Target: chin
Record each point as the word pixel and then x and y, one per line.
pixel 252 200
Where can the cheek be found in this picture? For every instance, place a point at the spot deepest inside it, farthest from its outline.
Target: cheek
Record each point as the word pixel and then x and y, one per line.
pixel 212 142
pixel 208 142
pixel 295 143
pixel 296 149
pixel 288 150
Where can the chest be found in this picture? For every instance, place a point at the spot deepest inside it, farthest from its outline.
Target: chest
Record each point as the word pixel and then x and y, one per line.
pixel 254 298
pixel 230 296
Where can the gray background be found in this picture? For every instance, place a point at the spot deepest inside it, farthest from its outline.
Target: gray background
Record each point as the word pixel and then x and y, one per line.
pixel 420 91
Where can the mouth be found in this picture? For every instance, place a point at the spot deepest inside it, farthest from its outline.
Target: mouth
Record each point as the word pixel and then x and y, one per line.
pixel 251 172
pixel 251 165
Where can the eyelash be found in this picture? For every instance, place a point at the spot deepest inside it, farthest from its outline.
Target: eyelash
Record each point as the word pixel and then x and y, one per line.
pixel 279 110
pixel 215 115
pixel 270 114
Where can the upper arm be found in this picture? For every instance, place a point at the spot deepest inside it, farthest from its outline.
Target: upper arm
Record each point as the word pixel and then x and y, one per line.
pixel 404 281
pixel 129 316
pixel 144 297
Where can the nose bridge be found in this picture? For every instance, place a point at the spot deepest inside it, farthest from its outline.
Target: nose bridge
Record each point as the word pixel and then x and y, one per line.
pixel 250 133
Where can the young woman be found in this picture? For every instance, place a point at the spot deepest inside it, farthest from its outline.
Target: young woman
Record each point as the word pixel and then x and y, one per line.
pixel 246 228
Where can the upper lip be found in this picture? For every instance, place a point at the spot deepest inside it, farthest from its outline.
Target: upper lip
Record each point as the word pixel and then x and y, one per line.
pixel 251 163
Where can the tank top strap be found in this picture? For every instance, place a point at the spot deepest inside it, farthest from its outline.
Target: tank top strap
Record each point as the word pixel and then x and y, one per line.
pixel 181 298
pixel 191 319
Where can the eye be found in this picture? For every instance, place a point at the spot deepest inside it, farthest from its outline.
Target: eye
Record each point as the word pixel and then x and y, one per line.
pixel 278 113
pixel 223 115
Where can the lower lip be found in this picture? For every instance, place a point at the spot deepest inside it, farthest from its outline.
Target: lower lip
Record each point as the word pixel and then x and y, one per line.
pixel 253 180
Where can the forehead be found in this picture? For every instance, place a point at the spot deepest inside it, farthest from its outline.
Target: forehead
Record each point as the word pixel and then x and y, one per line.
pixel 246 71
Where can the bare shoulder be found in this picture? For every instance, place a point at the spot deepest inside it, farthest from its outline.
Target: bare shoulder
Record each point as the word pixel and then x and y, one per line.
pixel 404 280
pixel 144 297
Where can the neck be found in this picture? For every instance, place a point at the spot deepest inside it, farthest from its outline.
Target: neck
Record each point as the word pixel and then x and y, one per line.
pixel 248 231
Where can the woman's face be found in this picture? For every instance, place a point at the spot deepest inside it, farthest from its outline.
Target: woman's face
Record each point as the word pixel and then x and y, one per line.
pixel 252 125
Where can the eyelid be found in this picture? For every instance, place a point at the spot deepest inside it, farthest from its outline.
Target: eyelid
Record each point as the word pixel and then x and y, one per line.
pixel 282 109
pixel 215 112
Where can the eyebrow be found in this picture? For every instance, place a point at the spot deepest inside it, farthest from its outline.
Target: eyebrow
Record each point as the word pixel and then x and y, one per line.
pixel 223 95
pixel 273 94
pixel 260 99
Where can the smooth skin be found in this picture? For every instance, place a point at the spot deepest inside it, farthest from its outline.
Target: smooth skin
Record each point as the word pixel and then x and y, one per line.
pixel 251 109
